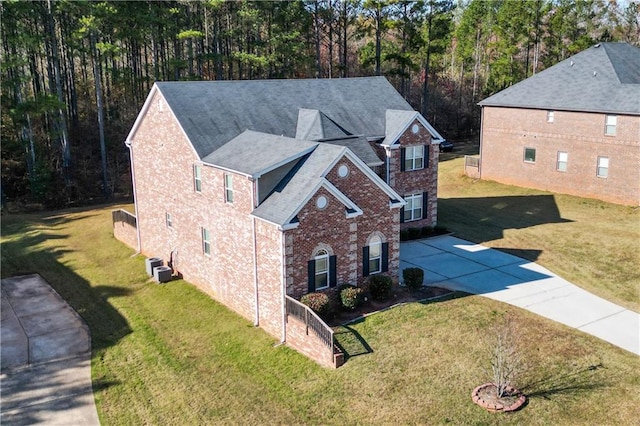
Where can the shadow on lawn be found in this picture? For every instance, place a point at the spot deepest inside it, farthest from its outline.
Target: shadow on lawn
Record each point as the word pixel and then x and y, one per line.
pixel 350 342
pixel 26 254
pixel 486 219
pixel 572 383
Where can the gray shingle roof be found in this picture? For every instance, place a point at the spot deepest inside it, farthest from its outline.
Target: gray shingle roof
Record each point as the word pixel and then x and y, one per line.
pixel 301 184
pixel 255 153
pixel 604 78
pixel 214 112
pixel 360 146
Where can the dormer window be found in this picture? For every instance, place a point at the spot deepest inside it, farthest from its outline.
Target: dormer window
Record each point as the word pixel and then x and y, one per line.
pixel 413 158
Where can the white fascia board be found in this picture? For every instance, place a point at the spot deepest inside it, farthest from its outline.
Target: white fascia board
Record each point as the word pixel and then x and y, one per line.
pixel 225 169
pixel 343 199
pixel 398 204
pixel 436 138
pixel 298 155
pixel 369 173
pixel 143 113
pixel 278 226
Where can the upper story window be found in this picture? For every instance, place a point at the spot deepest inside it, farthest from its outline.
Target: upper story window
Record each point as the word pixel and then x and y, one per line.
pixel 413 158
pixel 529 155
pixel 610 125
pixel 603 167
pixel 563 160
pixel 228 188
pixel 206 241
pixel 168 220
pixel 197 178
pixel 413 209
pixel 550 116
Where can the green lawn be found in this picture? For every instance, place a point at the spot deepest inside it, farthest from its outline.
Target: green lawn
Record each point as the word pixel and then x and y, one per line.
pixel 593 244
pixel 168 354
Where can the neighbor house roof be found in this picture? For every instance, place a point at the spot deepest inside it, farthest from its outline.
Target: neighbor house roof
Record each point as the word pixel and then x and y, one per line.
pixel 213 112
pixel 604 78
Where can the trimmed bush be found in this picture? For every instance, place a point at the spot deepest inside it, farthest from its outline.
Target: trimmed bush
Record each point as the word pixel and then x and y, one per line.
pixel 380 287
pixel 413 278
pixel 415 233
pixel 318 302
pixel 351 296
pixel 427 231
pixel 404 235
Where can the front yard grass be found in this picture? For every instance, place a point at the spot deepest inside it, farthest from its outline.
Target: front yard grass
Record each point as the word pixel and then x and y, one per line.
pixel 593 244
pixel 168 354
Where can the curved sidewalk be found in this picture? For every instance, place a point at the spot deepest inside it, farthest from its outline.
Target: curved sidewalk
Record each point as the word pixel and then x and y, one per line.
pixel 457 264
pixel 46 357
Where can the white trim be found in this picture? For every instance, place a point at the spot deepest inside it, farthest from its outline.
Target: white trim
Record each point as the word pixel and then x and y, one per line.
pixel 436 138
pixel 143 113
pixel 283 279
pixel 298 155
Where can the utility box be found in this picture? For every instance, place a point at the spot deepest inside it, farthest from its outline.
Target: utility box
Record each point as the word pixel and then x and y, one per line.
pixel 162 274
pixel 151 263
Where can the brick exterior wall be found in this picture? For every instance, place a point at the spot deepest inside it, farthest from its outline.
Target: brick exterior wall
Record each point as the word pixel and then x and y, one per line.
pixel 342 237
pixel 310 345
pixel 417 181
pixel 163 166
pixel 507 131
pixel 126 233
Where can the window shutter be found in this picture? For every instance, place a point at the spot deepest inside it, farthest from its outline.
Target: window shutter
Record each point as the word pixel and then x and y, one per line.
pixel 365 261
pixel 385 257
pixel 403 155
pixel 402 215
pixel 333 276
pixel 425 203
pixel 426 156
pixel 311 269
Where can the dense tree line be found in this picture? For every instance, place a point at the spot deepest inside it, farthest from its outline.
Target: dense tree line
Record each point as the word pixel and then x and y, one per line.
pixel 75 73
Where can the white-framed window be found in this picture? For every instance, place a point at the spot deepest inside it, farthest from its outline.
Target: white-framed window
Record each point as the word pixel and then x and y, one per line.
pixel 375 255
pixel 603 167
pixel 228 188
pixel 414 158
pixel 413 209
pixel 529 155
pixel 321 278
pixel 197 178
pixel 610 125
pixel 563 161
pixel 550 116
pixel 206 241
pixel 168 220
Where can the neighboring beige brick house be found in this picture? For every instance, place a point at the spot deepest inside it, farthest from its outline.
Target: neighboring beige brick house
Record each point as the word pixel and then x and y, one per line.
pixel 573 128
pixel 259 192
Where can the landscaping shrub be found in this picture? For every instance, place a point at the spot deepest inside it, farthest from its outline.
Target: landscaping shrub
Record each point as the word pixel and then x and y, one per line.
pixel 404 235
pixel 318 302
pixel 351 296
pixel 427 231
pixel 380 287
pixel 415 233
pixel 413 278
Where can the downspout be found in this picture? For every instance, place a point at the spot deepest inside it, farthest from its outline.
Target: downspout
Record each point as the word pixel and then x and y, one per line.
pixel 283 278
pixel 481 137
pixel 387 164
pixel 256 321
pixel 135 196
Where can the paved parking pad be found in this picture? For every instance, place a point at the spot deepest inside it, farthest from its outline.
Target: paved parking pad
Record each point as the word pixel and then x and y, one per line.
pixel 457 264
pixel 46 357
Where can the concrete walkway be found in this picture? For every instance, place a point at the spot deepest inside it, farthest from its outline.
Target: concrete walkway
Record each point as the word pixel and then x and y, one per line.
pixel 461 265
pixel 46 357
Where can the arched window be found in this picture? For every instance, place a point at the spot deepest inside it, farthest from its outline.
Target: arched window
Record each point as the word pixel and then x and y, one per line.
pixel 375 255
pixel 321 278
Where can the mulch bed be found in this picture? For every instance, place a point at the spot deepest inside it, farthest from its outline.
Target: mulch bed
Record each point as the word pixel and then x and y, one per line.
pixel 399 296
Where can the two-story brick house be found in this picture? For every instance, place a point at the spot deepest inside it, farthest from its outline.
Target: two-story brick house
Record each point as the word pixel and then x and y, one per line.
pixel 573 128
pixel 256 191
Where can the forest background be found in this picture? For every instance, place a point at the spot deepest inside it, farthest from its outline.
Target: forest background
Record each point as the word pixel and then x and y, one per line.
pixel 75 74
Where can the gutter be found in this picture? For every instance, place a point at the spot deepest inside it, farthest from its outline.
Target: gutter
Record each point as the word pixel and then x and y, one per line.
pixel 481 137
pixel 283 278
pixel 256 321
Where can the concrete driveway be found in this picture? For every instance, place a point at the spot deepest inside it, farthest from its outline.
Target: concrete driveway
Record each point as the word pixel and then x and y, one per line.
pixel 46 357
pixel 457 264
